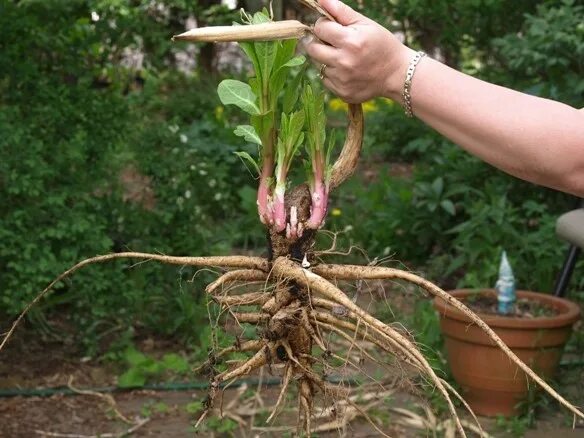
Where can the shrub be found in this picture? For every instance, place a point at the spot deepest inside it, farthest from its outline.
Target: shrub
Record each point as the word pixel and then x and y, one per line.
pixel 94 161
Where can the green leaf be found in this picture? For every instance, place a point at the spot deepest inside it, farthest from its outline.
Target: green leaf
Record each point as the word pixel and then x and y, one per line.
pixel 448 206
pixel 295 62
pixel 438 185
pixel 256 85
pixel 261 17
pixel 299 141
pixel 135 358
pixel 227 425
pixel 193 407
pixel 263 124
pixel 174 362
pixel 132 378
pixel 295 125
pixel 331 146
pixel 455 264
pixel 248 133
pixel 161 407
pixel 291 93
pixel 266 53
pixel 280 71
pixel 249 49
pixel 247 157
pixel 277 83
pixel 240 94
pixel 152 368
pixel 286 51
pixel 284 126
pixel 281 162
pixel 315 118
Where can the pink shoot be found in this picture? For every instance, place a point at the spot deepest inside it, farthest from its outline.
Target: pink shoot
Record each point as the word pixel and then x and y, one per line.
pixel 279 207
pixel 294 228
pixel 319 156
pixel 264 196
pixel 318 192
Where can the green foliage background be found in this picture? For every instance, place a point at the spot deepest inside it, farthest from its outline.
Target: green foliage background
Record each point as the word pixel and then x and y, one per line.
pixel 75 114
pixel 455 214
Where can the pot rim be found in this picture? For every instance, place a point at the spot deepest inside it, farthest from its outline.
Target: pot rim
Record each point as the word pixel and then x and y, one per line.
pixel 570 311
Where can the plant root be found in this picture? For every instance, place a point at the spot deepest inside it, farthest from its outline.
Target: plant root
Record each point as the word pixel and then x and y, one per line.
pixel 288 373
pixel 246 275
pixel 253 345
pixel 296 308
pixel 305 407
pixel 256 263
pixel 251 318
pixel 253 298
pixel 346 410
pixel 258 360
pixel 307 325
pixel 393 342
pixel 317 284
pixel 352 272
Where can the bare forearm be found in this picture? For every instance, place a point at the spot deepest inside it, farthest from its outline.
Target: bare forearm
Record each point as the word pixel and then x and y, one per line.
pixel 535 139
pixel 532 138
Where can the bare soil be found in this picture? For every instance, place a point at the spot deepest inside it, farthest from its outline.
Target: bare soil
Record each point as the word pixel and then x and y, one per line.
pixel 33 365
pixel 524 308
pixel 30 362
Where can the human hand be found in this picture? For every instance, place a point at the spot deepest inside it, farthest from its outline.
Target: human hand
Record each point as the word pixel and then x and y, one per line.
pixel 363 59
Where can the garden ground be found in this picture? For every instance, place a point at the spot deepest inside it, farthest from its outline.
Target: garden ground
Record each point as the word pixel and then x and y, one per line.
pixel 169 413
pixel 30 362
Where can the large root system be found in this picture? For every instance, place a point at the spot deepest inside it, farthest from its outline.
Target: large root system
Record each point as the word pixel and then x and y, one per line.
pixel 296 306
pixel 296 310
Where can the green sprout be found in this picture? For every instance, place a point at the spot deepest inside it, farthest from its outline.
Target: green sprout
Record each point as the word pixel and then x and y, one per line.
pixel 279 128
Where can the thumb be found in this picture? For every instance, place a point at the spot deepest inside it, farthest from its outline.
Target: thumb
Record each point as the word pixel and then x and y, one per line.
pixel 344 14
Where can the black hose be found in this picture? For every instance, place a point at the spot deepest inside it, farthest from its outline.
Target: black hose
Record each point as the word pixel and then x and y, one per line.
pixel 171 386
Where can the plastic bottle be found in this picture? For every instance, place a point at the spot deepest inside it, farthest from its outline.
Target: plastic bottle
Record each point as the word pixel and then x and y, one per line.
pixel 505 287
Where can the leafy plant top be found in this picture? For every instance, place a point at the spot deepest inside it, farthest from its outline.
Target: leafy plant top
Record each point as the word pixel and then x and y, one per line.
pixel 280 124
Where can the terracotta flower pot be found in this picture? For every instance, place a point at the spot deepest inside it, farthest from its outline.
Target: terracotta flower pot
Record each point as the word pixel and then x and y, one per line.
pixel 491 383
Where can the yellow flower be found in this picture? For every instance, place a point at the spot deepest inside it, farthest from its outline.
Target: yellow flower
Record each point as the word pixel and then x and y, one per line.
pixel 337 104
pixel 336 212
pixel 219 112
pixel 369 106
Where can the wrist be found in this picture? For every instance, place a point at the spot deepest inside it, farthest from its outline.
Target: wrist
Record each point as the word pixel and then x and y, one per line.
pixel 394 84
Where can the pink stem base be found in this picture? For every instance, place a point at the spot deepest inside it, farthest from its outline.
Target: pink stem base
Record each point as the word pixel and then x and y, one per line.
pixel 264 196
pixel 279 210
pixel 319 206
